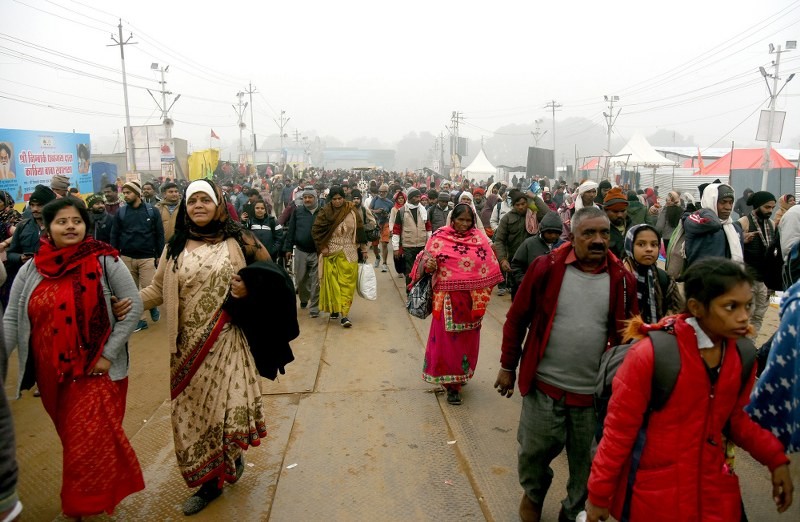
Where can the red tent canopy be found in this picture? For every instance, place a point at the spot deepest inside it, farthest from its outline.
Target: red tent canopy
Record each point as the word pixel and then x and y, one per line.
pixel 593 164
pixel 744 159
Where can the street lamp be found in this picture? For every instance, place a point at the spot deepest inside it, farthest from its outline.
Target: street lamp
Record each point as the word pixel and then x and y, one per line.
pixel 773 95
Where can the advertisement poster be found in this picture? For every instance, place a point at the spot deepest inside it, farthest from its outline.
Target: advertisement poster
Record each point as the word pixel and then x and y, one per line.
pixel 29 158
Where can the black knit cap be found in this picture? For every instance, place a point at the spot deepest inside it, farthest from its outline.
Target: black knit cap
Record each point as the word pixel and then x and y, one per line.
pixel 42 195
pixel 762 197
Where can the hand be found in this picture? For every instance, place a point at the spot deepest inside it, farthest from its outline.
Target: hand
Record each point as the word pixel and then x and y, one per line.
pixel 594 513
pixel 101 367
pixel 505 383
pixel 397 254
pixel 782 488
pixel 121 307
pixel 505 266
pixel 287 256
pixel 238 288
pixel 749 236
pixel 325 251
pixel 430 264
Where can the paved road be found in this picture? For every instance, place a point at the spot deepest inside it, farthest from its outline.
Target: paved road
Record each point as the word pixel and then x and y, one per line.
pixel 355 434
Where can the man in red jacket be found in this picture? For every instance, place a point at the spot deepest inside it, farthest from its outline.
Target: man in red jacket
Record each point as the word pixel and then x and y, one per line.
pixel 573 303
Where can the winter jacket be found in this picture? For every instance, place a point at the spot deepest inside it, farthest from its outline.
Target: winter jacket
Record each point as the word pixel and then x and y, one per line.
pixel 268 232
pixel 529 250
pixel 438 217
pixel 755 252
pixel 509 236
pixel 139 234
pixel 741 207
pixel 488 209
pixel 531 315
pixel 410 232
pixel 101 226
pixel 681 473
pixel 616 242
pixel 637 213
pixel 167 218
pixel 298 231
pixel 24 241
pixel 705 236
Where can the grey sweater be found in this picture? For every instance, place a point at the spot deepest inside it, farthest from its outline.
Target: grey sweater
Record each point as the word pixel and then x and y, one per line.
pixel 17 324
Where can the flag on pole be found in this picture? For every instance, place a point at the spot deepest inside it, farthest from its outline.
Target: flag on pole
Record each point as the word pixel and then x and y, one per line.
pixel 214 134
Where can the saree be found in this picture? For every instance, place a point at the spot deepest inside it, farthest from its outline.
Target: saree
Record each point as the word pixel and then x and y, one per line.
pixel 100 467
pixel 467 269
pixel 216 398
pixel 339 269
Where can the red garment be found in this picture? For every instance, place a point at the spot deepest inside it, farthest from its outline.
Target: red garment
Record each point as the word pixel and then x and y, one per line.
pixel 681 474
pixel 99 465
pixel 534 308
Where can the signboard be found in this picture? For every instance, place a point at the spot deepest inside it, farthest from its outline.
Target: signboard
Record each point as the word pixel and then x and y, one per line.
pixel 167 150
pixel 764 133
pixel 29 158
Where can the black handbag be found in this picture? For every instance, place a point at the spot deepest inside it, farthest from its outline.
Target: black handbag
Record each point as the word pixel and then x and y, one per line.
pixel 420 299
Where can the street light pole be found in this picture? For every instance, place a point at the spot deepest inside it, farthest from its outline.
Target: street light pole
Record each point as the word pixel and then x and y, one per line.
pixel 129 135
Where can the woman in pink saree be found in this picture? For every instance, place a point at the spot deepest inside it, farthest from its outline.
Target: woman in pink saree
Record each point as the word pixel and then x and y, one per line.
pixel 464 270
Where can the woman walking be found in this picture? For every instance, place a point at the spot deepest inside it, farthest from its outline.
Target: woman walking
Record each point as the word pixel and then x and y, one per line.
pixel 786 202
pixel 216 398
pixel 59 317
pixel 465 270
pixel 339 235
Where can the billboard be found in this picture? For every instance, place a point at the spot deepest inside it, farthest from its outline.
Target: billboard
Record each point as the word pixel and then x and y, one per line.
pixel 541 162
pixel 29 158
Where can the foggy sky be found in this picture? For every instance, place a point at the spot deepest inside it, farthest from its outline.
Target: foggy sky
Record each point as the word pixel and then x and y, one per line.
pixel 380 70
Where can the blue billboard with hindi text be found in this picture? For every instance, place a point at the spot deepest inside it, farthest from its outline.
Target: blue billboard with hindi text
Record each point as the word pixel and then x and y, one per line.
pixel 29 158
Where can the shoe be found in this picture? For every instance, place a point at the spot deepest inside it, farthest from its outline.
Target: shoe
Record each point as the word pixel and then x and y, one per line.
pixel 384 268
pixel 141 326
pixel 334 315
pixel 303 304
pixel 239 462
pixel 155 314
pixel 313 315
pixel 562 516
pixel 204 496
pixel 377 261
pixel 528 511
pixel 501 291
pixel 453 397
pixel 346 322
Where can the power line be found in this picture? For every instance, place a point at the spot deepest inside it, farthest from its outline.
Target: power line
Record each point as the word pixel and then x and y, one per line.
pixel 737 125
pixel 61 17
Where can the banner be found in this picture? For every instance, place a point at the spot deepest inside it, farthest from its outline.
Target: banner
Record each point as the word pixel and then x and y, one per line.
pixel 30 158
pixel 203 163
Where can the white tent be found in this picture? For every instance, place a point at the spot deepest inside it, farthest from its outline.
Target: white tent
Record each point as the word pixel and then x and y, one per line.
pixel 481 169
pixel 639 153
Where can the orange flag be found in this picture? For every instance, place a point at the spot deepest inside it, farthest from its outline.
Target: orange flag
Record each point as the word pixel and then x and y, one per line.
pixel 700 160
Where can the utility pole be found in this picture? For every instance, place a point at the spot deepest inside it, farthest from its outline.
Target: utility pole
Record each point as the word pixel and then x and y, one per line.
pixel 537 134
pixel 610 118
pixel 129 134
pixel 441 153
pixel 553 105
pixel 165 119
pixel 281 124
pixel 252 90
pixel 773 96
pixel 242 125
pixel 455 119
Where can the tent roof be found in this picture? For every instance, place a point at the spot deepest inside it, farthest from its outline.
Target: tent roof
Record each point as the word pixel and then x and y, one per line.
pixel 481 165
pixel 639 153
pixel 741 159
pixel 592 164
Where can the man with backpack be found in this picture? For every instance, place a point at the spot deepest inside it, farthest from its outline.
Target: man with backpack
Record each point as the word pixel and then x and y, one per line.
pixel 579 283
pixel 138 233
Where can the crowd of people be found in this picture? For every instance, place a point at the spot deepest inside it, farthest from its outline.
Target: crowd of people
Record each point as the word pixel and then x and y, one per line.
pixel 581 263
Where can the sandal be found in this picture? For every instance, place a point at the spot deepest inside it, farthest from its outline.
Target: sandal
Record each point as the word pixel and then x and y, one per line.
pixel 453 397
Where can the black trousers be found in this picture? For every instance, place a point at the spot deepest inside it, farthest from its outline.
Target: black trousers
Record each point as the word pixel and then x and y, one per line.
pixel 410 255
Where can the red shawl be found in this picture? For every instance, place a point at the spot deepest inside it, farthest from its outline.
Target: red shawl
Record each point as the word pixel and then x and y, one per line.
pixel 79 312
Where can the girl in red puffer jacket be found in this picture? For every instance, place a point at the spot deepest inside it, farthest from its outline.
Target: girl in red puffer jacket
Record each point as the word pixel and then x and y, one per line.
pixel 686 469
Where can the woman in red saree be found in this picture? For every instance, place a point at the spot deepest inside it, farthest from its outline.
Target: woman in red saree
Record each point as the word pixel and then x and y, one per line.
pixel 464 270
pixel 59 317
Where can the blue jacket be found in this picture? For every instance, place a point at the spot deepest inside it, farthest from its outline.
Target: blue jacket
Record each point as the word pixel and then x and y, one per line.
pixel 24 241
pixel 705 236
pixel 298 231
pixel 138 232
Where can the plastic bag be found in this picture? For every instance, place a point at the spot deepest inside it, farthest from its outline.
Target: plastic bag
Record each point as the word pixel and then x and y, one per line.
pixel 367 282
pixel 420 298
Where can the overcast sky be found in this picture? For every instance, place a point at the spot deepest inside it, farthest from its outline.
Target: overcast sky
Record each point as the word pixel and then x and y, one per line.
pixel 379 69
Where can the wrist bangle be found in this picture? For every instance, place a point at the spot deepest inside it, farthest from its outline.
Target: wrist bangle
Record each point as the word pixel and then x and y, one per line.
pixel 509 371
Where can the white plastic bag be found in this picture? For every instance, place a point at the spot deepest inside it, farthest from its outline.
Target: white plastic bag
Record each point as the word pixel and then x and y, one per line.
pixel 367 282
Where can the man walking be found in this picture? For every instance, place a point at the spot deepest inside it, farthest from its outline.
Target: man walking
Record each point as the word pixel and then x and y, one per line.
pixel 167 207
pixel 149 193
pixel 759 234
pixel 299 242
pixel 138 233
pixel 572 303
pixel 381 207
pixel 410 231
pixel 615 203
pixel 112 200
pixel 438 213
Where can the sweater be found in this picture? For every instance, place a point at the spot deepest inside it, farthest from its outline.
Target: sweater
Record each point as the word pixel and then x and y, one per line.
pixel 116 281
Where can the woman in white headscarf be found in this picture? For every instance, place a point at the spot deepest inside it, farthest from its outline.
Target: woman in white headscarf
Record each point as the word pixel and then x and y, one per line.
pixel 587 191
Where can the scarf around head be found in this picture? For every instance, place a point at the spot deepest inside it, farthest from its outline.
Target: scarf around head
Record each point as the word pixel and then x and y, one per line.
pixel 328 219
pixel 80 318
pixel 9 215
pixel 709 201
pixel 646 276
